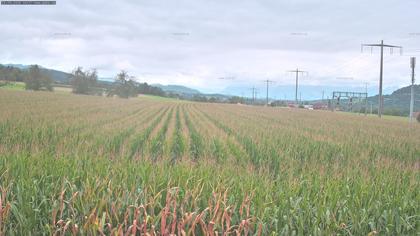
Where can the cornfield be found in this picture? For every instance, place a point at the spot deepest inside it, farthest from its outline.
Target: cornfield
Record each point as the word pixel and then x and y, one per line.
pixel 84 165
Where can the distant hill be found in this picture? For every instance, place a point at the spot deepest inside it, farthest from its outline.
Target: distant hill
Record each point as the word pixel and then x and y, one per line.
pixel 19 66
pixel 178 89
pixel 400 99
pixel 397 102
pixel 308 92
pixel 58 76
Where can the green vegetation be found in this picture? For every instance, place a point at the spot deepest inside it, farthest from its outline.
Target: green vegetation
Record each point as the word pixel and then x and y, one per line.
pixel 89 165
pixel 162 99
pixel 9 73
pixel 157 143
pixel 12 85
pixel 178 146
pixel 84 82
pixel 37 80
pixel 196 147
pixel 124 86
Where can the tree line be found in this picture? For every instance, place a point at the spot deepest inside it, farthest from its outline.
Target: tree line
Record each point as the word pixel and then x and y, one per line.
pixel 86 82
pixel 81 81
pixel 33 77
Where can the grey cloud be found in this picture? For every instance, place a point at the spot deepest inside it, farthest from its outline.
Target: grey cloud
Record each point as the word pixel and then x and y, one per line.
pixel 194 42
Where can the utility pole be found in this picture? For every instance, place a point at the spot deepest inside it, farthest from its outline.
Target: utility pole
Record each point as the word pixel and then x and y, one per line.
pixel 323 96
pixel 382 46
pixel 267 81
pixel 297 71
pixel 366 99
pixel 413 66
pixel 254 91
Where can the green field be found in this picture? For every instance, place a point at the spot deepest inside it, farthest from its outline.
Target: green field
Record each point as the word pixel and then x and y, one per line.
pixel 99 166
pixel 12 85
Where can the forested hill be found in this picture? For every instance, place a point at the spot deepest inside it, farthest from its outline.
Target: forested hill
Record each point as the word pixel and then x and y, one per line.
pixel 399 100
pixel 15 72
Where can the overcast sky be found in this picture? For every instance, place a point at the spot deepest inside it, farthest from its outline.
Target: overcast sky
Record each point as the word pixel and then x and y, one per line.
pixel 196 42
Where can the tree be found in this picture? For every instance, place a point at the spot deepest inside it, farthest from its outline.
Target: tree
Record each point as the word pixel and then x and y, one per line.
pixel 36 80
pixel 124 86
pixel 9 73
pixel 236 99
pixel 84 82
pixel 199 98
pixel 144 88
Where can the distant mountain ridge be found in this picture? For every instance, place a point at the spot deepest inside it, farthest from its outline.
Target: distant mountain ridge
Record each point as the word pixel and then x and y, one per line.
pixel 179 89
pixel 398 99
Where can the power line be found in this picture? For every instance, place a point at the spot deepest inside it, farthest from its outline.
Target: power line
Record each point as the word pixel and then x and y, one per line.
pixel 267 81
pixel 382 46
pixel 297 72
pixel 227 78
pixel 254 94
pixel 339 68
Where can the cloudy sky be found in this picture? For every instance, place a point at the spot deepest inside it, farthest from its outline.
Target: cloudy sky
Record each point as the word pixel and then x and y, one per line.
pixel 197 42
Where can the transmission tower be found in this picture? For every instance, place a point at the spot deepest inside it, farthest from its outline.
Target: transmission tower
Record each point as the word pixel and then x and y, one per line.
pixel 297 72
pixel 382 46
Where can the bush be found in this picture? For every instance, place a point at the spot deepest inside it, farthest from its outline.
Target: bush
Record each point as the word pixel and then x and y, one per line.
pixel 418 116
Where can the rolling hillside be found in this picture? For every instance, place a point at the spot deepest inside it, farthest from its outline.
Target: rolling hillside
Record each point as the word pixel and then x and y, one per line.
pixel 58 76
pixel 400 100
pixel 178 89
